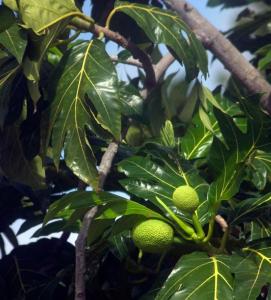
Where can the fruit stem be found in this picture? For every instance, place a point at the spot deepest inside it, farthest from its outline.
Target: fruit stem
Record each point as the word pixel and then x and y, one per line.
pixel 224 241
pixel 177 240
pixel 160 262
pixel 210 230
pixel 139 257
pixel 185 227
pixel 198 227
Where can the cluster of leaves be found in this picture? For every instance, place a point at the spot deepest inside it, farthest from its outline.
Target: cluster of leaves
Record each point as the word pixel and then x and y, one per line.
pixel 62 102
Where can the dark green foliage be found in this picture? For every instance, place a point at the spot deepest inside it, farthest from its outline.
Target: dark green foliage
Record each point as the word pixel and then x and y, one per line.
pixel 62 101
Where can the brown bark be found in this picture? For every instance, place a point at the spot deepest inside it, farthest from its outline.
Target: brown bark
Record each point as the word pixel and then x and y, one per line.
pixel 224 50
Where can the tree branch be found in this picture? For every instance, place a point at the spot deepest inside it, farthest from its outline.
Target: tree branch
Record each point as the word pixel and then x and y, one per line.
pixel 129 61
pixel 81 242
pixel 159 70
pixel 80 259
pixel 122 41
pixel 224 50
pixel 106 162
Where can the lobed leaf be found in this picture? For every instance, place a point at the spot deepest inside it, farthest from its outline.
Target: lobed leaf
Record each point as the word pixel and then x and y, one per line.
pixel 166 27
pixel 84 74
pixel 197 276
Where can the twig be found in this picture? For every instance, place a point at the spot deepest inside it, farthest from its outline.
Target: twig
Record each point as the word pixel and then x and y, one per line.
pixel 159 70
pixel 224 50
pixel 222 248
pixel 222 223
pixel 129 61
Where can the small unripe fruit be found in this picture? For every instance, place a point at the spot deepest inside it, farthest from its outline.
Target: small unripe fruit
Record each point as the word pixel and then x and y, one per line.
pixel 153 236
pixel 185 198
pixel 134 136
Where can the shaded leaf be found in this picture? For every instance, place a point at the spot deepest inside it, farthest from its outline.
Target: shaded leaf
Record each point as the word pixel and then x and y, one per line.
pixel 12 92
pixel 14 164
pixel 14 39
pixel 7 18
pixel 77 200
pixel 247 208
pixel 252 271
pixel 165 27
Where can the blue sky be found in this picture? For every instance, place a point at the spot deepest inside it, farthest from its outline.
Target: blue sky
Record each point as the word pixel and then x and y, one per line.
pixel 223 20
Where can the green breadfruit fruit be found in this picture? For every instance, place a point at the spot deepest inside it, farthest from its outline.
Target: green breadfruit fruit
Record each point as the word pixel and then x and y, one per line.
pixel 185 198
pixel 134 136
pixel 153 236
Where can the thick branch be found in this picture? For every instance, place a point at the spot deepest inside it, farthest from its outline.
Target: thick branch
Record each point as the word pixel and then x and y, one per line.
pixel 224 50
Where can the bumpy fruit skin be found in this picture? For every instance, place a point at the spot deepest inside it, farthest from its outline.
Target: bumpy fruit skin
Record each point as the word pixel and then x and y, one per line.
pixel 185 198
pixel 153 236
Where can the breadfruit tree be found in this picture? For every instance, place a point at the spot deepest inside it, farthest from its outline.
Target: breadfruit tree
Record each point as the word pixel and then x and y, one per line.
pixel 165 181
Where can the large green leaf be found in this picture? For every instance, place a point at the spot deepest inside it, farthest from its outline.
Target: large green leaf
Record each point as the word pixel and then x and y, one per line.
pixel 260 169
pixel 231 174
pixel 14 39
pixel 197 276
pixel 40 15
pixel 228 161
pixel 258 229
pixel 36 50
pixel 125 208
pixel 149 179
pixel 247 208
pixel 78 200
pixel 14 164
pixel 166 27
pixel 7 18
pixel 12 91
pixel 84 71
pixel 130 100
pixel 198 139
pixel 12 4
pixel 252 271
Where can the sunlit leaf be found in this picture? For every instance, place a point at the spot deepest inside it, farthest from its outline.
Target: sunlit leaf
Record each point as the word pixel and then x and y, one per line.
pixel 167 135
pixel 198 276
pixel 40 15
pixel 85 71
